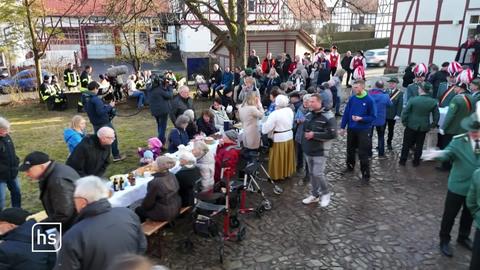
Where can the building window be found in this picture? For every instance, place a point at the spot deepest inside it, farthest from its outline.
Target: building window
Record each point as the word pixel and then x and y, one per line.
pixel 251 5
pixel 474 26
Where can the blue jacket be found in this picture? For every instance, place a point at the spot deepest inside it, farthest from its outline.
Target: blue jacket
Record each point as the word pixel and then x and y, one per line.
pixel 227 79
pixel 16 254
pixel 363 107
pixel 72 138
pixel 176 138
pixel 382 102
pixel 97 111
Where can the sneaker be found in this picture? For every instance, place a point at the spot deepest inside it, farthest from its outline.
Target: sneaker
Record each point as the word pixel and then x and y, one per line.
pixel 119 158
pixel 325 200
pixel 310 199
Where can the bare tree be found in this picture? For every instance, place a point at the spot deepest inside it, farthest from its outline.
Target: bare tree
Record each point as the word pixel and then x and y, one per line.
pixel 132 19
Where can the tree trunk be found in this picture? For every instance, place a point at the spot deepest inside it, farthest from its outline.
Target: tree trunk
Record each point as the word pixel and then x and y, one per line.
pixel 240 41
pixel 38 71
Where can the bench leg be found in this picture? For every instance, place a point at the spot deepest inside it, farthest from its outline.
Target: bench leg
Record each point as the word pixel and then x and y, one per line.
pixel 153 241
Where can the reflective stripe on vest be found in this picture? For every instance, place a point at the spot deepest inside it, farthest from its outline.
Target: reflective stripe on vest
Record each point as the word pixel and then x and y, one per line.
pixel 72 79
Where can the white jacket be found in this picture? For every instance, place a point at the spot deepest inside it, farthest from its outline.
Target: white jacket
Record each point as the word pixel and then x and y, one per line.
pixel 280 123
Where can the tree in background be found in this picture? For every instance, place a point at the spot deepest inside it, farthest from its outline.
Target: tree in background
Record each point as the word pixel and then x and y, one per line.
pixel 12 35
pixel 132 19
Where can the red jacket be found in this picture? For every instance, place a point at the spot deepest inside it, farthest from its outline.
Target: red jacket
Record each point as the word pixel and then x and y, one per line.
pixel 267 65
pixel 227 156
pixel 334 59
pixel 292 67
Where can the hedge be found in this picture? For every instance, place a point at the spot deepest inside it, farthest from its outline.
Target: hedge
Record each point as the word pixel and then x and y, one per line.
pixel 359 44
pixel 342 36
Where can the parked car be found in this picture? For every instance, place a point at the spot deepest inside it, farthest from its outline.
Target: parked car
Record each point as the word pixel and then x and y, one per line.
pixel 25 80
pixel 376 57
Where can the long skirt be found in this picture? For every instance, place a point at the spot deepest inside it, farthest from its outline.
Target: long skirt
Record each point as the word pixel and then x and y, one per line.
pixel 282 162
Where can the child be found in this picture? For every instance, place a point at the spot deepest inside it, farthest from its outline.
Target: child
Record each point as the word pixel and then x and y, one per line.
pixel 147 158
pixel 154 146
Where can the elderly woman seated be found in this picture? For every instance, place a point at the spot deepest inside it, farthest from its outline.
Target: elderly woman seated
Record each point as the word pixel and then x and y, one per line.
pixel 187 176
pixel 162 202
pixel 206 164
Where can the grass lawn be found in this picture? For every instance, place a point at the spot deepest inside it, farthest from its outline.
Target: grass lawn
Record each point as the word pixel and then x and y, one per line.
pixel 35 128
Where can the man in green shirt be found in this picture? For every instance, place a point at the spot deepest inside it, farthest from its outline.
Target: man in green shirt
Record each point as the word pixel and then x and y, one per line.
pixel 464 153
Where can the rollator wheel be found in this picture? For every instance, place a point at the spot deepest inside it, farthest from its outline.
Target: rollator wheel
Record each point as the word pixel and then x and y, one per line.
pixel 241 234
pixel 277 190
pixel 267 205
pixel 259 211
pixel 234 222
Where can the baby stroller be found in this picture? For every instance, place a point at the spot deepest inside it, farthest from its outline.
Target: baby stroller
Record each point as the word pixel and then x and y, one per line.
pixel 202 86
pixel 209 207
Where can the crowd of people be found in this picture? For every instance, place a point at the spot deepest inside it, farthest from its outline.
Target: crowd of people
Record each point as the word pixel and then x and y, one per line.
pixel 288 107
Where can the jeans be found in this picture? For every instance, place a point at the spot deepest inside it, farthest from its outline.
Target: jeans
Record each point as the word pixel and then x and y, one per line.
pixel 115 151
pixel 162 121
pixel 453 203
pixel 337 103
pixel 361 140
pixel 317 177
pixel 381 139
pixel 391 129
pixel 140 98
pixel 475 262
pixel 412 138
pixel 15 195
pixel 299 152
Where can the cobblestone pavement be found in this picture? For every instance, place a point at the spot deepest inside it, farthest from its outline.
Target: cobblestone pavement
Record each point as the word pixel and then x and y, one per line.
pixel 391 224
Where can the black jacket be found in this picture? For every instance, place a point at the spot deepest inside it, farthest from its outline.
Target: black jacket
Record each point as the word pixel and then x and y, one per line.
pixel 100 234
pixel 15 251
pixel 346 63
pixel 207 128
pixel 253 61
pixel 57 185
pixel 408 76
pixel 324 127
pixel 90 157
pixel 437 78
pixel 216 76
pixel 159 99
pixel 162 201
pixel 179 105
pixel 186 178
pixel 8 159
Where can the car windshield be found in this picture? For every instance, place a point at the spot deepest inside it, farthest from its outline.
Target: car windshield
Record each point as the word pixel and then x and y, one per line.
pixel 369 53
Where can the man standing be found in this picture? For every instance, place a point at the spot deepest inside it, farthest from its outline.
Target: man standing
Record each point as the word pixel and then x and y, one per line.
pixel 439 77
pixel 181 103
pixel 416 119
pixel 92 154
pixel 347 59
pixel 420 71
pixel 101 115
pixel 334 59
pixel 394 112
pixel 100 232
pixel 160 95
pixel 70 77
pixel 85 79
pixel 56 183
pixel 358 118
pixel 466 53
pixel 8 167
pixel 475 89
pixel 446 90
pixel 215 79
pixel 253 60
pixel 382 102
pixel 319 129
pixel 464 153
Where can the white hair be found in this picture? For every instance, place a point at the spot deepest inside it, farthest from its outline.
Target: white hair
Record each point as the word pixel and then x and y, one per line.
pixel 188 157
pixel 91 188
pixel 190 114
pixel 105 131
pixel 281 101
pixel 183 88
pixel 4 124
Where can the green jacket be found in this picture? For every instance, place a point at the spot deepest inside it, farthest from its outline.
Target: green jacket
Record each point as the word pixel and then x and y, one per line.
pixel 396 97
pixel 461 106
pixel 473 197
pixel 443 97
pixel 464 162
pixel 412 91
pixel 416 114
pixel 476 97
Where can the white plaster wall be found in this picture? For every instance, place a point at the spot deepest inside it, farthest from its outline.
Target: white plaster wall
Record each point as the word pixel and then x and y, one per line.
pixel 440 56
pixel 420 56
pixel 423 35
pixel 448 34
pixel 195 41
pixel 427 10
pixel 453 9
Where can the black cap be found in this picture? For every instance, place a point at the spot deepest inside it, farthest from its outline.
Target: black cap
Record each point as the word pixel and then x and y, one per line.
pixel 393 79
pixel 46 77
pixel 32 159
pixel 93 85
pixel 294 94
pixel 14 215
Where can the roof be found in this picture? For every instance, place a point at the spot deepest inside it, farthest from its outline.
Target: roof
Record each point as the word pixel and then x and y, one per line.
pixel 273 34
pixel 85 8
pixel 308 10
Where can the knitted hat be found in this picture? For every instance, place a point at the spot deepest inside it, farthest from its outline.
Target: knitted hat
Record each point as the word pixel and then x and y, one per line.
pixel 155 142
pixel 420 70
pixel 454 68
pixel 148 154
pixel 232 134
pixel 465 76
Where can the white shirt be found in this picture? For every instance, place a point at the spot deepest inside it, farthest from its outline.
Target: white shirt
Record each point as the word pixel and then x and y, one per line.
pixel 473 144
pixel 278 121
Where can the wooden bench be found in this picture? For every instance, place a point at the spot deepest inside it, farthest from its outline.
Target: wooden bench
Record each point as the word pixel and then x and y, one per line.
pixel 150 227
pixel 38 216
